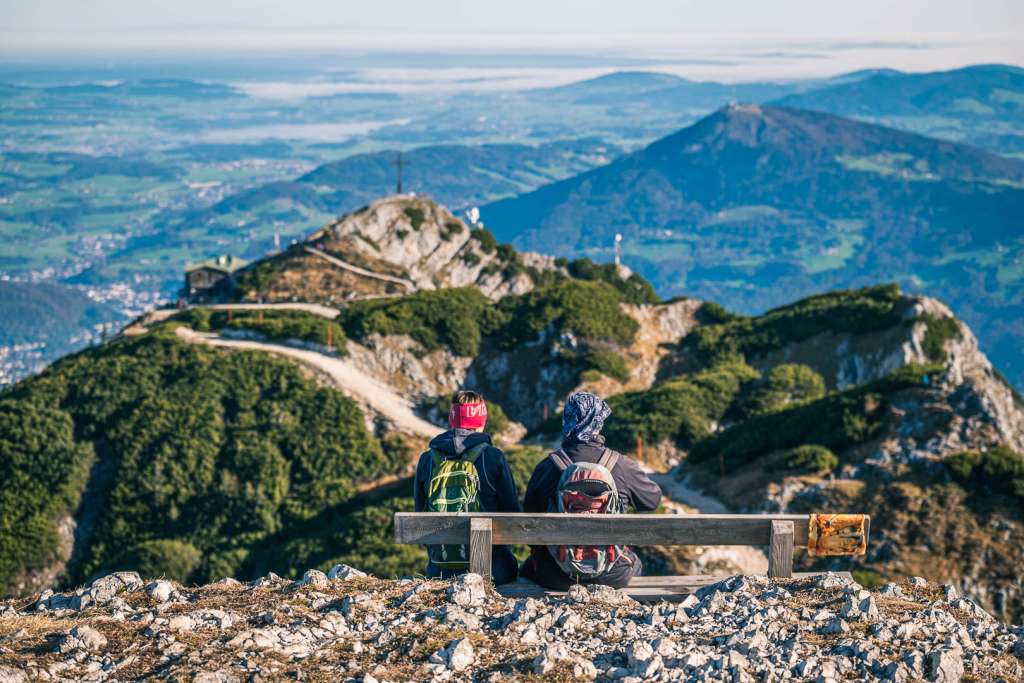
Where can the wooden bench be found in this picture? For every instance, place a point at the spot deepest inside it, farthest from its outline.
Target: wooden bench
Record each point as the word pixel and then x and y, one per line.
pixel 781 533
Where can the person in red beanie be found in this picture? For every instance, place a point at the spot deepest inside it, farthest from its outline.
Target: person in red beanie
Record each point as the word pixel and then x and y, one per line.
pixel 493 489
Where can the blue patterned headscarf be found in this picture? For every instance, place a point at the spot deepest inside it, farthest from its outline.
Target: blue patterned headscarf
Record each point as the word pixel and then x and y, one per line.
pixel 583 416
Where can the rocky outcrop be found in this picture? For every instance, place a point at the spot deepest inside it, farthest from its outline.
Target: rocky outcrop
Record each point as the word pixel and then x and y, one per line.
pixel 394 246
pixel 345 626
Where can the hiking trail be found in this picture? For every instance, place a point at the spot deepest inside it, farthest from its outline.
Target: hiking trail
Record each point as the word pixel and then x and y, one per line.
pixel 377 396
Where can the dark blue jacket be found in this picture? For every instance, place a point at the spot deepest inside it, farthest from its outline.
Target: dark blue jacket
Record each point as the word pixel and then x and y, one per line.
pixel 497 486
pixel 497 492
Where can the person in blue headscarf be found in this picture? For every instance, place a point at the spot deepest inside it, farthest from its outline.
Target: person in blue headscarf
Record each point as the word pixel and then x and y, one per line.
pixel 583 417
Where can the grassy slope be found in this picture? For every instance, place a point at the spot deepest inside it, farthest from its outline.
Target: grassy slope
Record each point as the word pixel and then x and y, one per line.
pixel 216 450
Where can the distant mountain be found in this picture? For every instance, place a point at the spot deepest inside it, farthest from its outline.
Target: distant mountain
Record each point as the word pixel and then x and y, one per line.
pixel 183 89
pixel 456 175
pixel 754 206
pixel 986 100
pixel 633 88
pixel 34 311
pixel 43 321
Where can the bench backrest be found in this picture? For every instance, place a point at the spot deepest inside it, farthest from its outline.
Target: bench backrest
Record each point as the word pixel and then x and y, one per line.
pixel 779 532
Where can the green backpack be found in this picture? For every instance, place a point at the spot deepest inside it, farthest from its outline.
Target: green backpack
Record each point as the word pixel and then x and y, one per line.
pixel 454 487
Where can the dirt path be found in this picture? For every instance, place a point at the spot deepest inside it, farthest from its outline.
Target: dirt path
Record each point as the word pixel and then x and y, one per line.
pixel 681 492
pixel 411 286
pixel 315 309
pixel 378 397
pixel 712 559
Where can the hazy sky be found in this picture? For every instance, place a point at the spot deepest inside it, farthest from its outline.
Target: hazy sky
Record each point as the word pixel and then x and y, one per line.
pixel 806 36
pixel 806 19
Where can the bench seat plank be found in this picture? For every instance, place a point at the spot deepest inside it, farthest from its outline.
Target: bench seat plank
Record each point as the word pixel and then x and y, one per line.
pixel 557 529
pixel 643 588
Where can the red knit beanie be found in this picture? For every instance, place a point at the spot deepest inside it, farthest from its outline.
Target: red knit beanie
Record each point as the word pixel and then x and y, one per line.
pixel 468 415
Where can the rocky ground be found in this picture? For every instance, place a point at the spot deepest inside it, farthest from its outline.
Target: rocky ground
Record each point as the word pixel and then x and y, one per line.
pixel 347 626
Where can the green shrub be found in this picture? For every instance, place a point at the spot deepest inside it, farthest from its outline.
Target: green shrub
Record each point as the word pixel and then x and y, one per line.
pixel 175 560
pixel 217 449
pixel 452 318
pixel 811 458
pixel 853 311
pixel 634 289
pixel 837 421
pixel 711 313
pixel 522 460
pixel 783 386
pixel 359 533
pixel 869 578
pixel 257 277
pixel 415 216
pixel 470 258
pixel 275 324
pixel 368 240
pixel 998 470
pixel 606 362
pixel 680 409
pixel 487 242
pixel 450 230
pixel 962 465
pixel 43 470
pixel 939 330
pixel 506 252
pixel 402 234
pixel 590 310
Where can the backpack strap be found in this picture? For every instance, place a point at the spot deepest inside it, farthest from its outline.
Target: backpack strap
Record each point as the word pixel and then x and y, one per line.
pixel 608 459
pixel 561 460
pixel 473 453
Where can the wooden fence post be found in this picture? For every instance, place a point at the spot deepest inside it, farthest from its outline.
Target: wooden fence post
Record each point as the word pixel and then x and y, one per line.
pixel 480 546
pixel 780 550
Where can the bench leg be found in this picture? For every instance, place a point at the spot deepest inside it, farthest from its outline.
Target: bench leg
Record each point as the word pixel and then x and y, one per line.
pixel 780 550
pixel 480 546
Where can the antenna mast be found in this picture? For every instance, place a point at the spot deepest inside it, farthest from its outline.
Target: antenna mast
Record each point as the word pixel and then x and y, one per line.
pixel 399 163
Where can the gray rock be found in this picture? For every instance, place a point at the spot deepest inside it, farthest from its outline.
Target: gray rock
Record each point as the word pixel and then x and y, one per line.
pixel 946 666
pixel 896 671
pixel 550 657
pixel 9 674
pixel 180 622
pixel 835 625
pixel 558 654
pixel 831 580
pixel 639 653
pixel 891 590
pixel 106 588
pixel 82 638
pixel 313 577
pixel 343 572
pixel 160 590
pixel 918 582
pixel 578 594
pixel 1018 648
pixel 468 590
pixel 460 655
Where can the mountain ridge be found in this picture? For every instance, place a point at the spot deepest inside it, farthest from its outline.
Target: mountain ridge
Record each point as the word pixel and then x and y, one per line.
pixel 755 205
